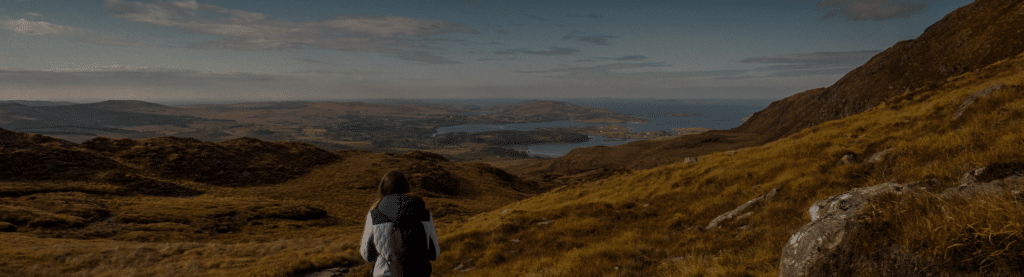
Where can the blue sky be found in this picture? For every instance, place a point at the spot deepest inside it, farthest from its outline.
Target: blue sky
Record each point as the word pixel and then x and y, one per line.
pixel 262 50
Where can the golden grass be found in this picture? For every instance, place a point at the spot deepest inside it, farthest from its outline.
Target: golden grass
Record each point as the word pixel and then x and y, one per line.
pixel 91 228
pixel 640 223
pixel 603 224
pixel 26 255
pixel 980 233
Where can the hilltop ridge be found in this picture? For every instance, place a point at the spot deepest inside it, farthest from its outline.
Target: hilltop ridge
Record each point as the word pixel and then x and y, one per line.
pixel 966 40
pixel 127 106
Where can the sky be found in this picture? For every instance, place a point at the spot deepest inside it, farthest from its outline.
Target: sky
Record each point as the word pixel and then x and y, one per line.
pixel 312 50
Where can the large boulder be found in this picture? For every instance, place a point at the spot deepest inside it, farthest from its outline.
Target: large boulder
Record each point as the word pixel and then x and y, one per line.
pixel 832 222
pixel 839 240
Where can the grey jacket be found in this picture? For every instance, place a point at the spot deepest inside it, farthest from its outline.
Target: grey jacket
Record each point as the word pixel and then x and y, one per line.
pixel 376 233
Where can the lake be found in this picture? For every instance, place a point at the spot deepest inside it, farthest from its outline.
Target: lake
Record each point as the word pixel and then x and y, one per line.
pixel 663 114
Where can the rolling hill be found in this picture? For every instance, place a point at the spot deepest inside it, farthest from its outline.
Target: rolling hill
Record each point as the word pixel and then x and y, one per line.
pixel 236 197
pixel 720 203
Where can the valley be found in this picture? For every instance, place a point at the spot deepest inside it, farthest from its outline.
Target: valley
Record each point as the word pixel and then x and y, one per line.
pixel 910 165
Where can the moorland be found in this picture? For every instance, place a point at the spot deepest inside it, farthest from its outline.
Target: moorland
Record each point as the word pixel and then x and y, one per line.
pixel 918 150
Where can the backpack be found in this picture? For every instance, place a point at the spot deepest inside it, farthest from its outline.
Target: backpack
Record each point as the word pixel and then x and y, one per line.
pixel 409 248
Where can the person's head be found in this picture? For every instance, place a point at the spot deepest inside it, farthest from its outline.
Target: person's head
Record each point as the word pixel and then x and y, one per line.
pixel 394 182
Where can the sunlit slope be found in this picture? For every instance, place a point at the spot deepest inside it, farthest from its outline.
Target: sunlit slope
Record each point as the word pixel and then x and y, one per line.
pixel 965 40
pixel 652 222
pixel 183 207
pixel 968 39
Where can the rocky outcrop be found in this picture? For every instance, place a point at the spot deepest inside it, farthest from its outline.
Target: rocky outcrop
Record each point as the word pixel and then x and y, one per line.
pixel 847 159
pixel 878 157
pixel 974 97
pixel 832 221
pixel 743 211
pixel 833 243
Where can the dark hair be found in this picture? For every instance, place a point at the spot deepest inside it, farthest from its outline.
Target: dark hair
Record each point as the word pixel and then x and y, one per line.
pixel 394 182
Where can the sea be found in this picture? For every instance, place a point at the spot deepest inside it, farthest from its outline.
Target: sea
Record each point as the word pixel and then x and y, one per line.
pixel 662 114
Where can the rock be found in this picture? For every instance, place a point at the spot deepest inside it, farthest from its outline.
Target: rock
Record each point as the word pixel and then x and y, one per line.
pixel 847 159
pixel 742 211
pixel 334 272
pixel 828 244
pixel 465 266
pixel 879 156
pixel 974 97
pixel 830 226
pixel 971 178
pixel 972 184
pixel 1000 171
pixel 690 160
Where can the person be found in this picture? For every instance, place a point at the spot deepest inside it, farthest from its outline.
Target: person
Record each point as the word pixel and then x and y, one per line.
pixel 393 206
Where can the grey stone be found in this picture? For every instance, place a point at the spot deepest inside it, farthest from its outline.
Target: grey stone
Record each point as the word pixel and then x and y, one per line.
pixel 847 159
pixel 824 243
pixel 742 211
pixel 831 222
pixel 974 97
pixel 878 157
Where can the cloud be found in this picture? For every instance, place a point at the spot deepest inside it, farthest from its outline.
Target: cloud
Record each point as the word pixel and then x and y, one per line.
pixel 535 17
pixel 42 28
pixel 161 85
pixel 555 51
pixel 308 60
pixel 615 72
pixel 338 72
pixel 34 14
pixel 873 9
pixel 623 58
pixel 598 40
pixel 816 60
pixel 404 37
pixel 598 68
pixel 632 58
pixel 36 28
pixel 808 64
pixel 4 57
pixel 580 15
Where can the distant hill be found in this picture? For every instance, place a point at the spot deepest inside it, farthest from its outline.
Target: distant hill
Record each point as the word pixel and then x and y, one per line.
pixel 88 120
pixel 126 106
pixel 38 103
pixel 542 111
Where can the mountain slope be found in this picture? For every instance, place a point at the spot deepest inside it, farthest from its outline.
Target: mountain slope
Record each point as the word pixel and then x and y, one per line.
pixel 655 222
pixel 966 40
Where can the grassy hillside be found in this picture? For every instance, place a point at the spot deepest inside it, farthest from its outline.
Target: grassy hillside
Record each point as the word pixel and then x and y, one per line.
pixel 149 207
pixel 652 222
pixel 966 40
pixel 171 206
